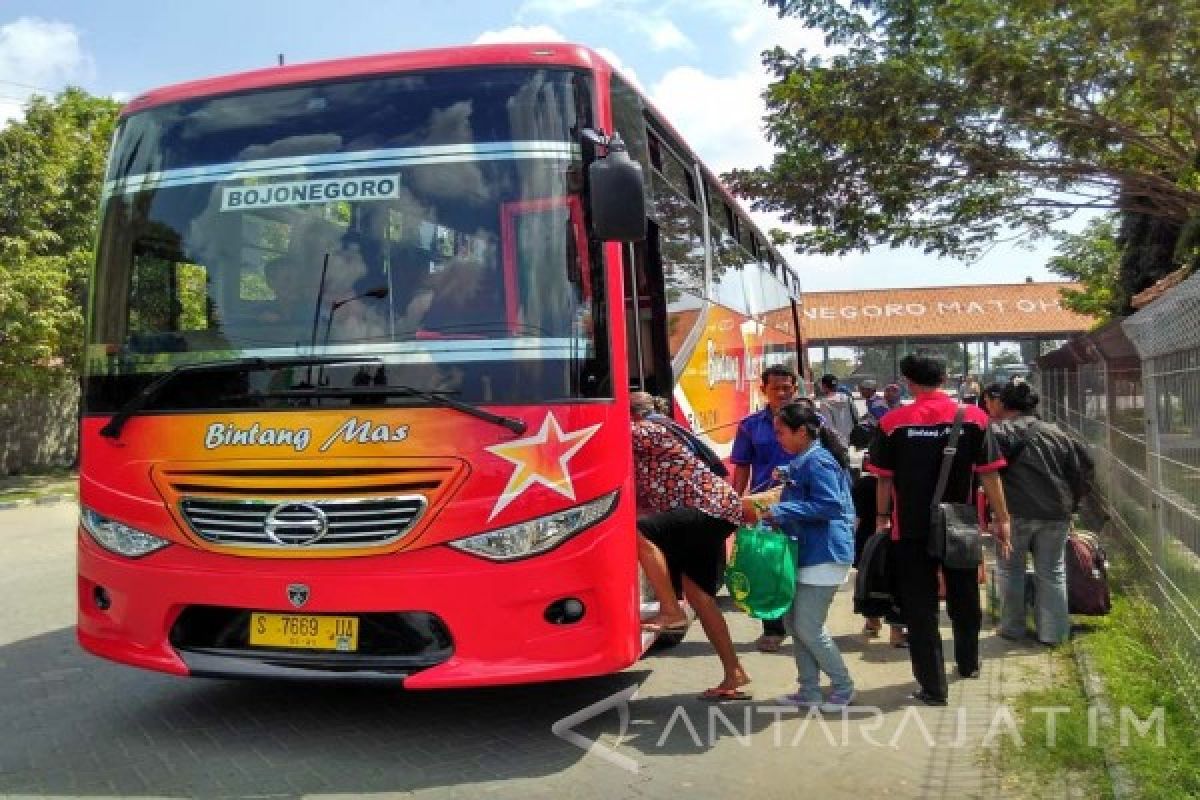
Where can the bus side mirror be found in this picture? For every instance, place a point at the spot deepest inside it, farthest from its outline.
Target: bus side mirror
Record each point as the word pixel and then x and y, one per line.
pixel 617 195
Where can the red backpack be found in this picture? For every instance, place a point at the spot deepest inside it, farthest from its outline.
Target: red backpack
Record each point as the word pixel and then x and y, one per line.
pixel 1087 576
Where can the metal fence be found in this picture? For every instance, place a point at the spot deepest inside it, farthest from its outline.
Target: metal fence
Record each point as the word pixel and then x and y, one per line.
pixel 1132 390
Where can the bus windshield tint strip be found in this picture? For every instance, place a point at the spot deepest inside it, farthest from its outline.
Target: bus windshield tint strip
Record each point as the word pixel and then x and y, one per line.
pixel 372 159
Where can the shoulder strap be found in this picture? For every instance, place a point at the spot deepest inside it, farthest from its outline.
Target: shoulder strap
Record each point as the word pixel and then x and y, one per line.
pixel 948 456
pixel 691 440
pixel 1021 443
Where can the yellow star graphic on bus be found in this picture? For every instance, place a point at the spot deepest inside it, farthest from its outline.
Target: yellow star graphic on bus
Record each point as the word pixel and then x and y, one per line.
pixel 541 458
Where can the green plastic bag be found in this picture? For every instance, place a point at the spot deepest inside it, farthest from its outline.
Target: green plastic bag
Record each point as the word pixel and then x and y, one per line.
pixel 761 575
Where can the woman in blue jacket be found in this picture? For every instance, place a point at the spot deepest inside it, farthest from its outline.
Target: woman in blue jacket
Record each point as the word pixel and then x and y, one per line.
pixel 815 509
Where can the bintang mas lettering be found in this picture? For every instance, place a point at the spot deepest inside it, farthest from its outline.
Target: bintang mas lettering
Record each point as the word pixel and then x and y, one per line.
pixel 352 431
pixel 723 368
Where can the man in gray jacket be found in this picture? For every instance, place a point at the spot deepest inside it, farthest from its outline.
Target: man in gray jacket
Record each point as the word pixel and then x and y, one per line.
pixel 837 408
pixel 1048 473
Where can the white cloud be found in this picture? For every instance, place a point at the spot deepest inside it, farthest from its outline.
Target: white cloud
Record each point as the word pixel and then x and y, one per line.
pixel 561 8
pixel 650 19
pixel 620 66
pixel 38 56
pixel 662 32
pixel 745 32
pixel 521 33
pixel 721 117
pixel 759 28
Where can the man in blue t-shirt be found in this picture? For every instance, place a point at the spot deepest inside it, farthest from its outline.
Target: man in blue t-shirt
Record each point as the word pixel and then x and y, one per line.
pixel 756 454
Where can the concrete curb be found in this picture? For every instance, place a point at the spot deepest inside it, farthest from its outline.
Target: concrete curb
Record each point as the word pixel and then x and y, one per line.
pixel 1123 785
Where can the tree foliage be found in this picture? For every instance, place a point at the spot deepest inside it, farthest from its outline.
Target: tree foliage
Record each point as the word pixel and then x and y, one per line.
pixel 51 166
pixel 943 125
pixel 1091 258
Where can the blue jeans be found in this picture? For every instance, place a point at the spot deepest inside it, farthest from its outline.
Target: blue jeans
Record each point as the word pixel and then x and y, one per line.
pixel 813 647
pixel 1047 540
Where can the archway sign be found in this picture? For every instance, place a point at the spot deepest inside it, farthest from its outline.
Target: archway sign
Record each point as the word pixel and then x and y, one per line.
pixel 964 322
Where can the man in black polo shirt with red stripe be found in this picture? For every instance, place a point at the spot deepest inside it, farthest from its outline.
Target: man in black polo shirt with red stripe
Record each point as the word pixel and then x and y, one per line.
pixel 907 458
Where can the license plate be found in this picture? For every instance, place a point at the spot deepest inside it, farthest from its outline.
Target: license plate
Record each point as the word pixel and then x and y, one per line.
pixel 304 631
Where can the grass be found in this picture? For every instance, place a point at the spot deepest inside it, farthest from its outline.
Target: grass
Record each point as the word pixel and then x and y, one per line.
pixel 1138 678
pixel 1070 758
pixel 9 495
pixel 31 485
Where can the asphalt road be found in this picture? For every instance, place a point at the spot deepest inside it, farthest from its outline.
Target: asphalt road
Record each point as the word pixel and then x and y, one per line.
pixel 72 725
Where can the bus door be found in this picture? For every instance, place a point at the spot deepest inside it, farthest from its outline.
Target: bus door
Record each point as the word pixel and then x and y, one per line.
pixel 646 318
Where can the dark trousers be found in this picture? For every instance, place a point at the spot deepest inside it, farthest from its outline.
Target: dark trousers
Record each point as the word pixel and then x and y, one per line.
pixel 915 574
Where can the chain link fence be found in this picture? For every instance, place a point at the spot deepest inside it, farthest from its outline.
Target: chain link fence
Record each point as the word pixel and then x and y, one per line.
pixel 1132 390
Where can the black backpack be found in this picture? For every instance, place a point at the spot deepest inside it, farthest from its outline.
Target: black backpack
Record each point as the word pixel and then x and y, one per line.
pixel 696 445
pixel 872 586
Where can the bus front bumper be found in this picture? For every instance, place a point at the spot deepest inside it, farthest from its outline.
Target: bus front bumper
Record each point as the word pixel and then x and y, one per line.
pixel 452 620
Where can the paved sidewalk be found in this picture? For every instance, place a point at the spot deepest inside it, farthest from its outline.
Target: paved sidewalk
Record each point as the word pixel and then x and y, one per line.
pixel 886 746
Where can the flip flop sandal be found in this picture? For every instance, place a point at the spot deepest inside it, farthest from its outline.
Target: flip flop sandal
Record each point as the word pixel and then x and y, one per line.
pixel 674 627
pixel 719 695
pixel 768 644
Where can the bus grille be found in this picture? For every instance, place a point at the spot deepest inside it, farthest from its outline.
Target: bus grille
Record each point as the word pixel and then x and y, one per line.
pixel 303 523
pixel 360 506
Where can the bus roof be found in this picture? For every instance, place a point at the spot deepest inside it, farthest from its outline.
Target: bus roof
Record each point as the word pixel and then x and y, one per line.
pixel 556 53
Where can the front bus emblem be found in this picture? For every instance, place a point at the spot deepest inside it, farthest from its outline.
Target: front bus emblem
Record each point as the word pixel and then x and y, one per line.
pixel 297 594
pixel 295 524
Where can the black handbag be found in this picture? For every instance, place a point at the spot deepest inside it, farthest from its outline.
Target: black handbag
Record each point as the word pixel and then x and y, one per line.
pixel 861 435
pixel 954 535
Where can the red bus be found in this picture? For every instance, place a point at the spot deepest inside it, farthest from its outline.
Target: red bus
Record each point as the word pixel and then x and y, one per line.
pixel 359 347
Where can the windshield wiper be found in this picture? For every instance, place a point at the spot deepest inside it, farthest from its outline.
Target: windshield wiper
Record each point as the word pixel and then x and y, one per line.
pixel 153 389
pixel 512 423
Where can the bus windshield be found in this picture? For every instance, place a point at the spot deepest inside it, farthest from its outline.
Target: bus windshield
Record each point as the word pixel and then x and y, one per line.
pixel 433 222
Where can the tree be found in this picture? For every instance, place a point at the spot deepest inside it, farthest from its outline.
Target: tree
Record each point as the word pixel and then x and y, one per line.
pixel 1005 358
pixel 1091 258
pixel 51 168
pixel 876 362
pixel 946 125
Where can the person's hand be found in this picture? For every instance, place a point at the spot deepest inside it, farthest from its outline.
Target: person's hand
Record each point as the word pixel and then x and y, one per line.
pixel 755 511
pixel 1002 531
pixel 749 510
pixel 883 522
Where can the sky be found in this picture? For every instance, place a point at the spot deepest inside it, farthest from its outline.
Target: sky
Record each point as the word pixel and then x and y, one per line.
pixel 699 61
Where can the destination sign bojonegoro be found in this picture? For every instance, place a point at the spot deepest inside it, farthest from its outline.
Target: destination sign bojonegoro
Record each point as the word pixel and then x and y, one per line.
pixel 295 193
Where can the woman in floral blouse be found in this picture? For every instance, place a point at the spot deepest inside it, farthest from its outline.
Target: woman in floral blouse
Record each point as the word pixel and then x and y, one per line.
pixel 687 513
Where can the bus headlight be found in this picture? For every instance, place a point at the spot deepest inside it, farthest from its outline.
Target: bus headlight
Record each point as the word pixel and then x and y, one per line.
pixel 117 536
pixel 537 535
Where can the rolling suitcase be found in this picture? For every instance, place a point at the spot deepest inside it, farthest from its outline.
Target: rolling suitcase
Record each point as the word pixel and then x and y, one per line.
pixel 1087 576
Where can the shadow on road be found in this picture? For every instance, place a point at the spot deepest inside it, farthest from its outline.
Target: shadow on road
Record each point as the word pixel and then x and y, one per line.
pixel 73 724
